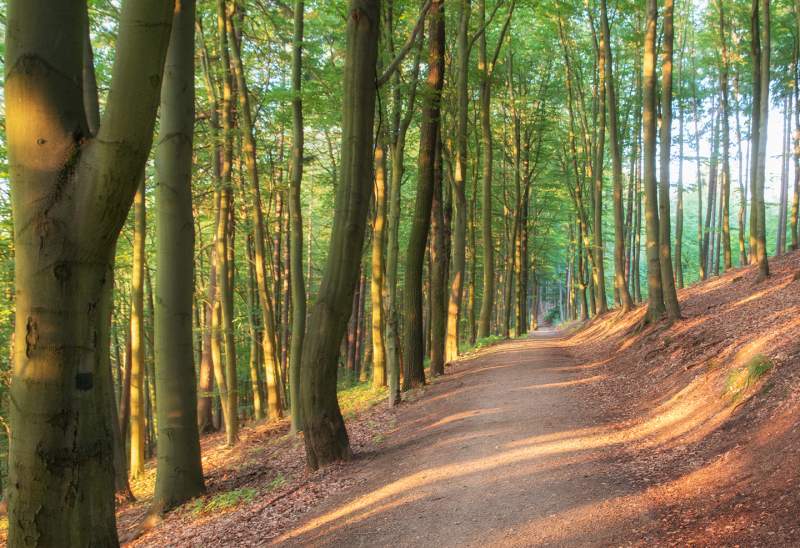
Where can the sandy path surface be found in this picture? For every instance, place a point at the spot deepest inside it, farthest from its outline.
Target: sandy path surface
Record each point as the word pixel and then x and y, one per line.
pixel 506 450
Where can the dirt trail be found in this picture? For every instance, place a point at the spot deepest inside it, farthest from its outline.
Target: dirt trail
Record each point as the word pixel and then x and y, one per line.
pixel 508 449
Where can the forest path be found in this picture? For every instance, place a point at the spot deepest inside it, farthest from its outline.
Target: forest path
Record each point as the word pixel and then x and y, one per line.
pixel 508 449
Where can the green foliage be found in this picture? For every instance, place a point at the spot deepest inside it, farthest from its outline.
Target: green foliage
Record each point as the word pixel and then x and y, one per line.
pixel 277 482
pixel 739 380
pixel 223 501
pixel 486 342
pixel 357 397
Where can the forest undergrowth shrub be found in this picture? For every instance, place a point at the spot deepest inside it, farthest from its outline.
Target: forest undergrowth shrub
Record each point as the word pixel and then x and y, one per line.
pixel 487 342
pixel 223 501
pixel 741 379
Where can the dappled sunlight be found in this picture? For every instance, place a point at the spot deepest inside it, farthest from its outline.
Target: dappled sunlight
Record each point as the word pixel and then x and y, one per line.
pixel 564 384
pixel 462 416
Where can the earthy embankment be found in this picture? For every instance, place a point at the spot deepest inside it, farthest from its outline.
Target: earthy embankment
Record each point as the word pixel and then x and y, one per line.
pixel 613 435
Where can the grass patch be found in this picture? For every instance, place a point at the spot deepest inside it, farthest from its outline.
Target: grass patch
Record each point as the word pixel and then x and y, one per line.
pixel 739 380
pixel 277 482
pixel 357 397
pixel 223 501
pixel 487 341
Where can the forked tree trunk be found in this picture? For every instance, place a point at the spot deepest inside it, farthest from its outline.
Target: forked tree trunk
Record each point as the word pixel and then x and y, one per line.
pixel 325 433
pixel 179 475
pixel 70 193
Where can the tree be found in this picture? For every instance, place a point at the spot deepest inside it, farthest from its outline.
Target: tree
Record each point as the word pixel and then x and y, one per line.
pixel 179 475
pixel 486 66
pixel 137 416
pixel 655 305
pixel 296 221
pixel 459 184
pixel 413 348
pixel 620 284
pixel 670 294
pixel 325 433
pixel 61 174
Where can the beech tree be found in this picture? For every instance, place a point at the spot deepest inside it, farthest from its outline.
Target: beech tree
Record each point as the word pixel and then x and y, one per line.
pixel 71 192
pixel 325 433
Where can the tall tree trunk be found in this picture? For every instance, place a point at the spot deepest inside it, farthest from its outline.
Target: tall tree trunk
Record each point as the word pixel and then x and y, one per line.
pixel 137 413
pixel 459 185
pixel 487 303
pixel 725 193
pixel 679 205
pixel 230 399
pixel 761 71
pixel 206 381
pixel 620 285
pixel 268 341
pixel 377 264
pixel 179 475
pixel 655 305
pixel 783 206
pixel 400 125
pixel 296 221
pixel 796 145
pixel 665 246
pixel 57 383
pixel 254 321
pixel 413 347
pixel 438 255
pixel 597 175
pixel 325 435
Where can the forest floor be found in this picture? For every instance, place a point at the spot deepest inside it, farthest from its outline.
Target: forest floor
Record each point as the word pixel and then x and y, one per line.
pixel 607 434
pixel 611 434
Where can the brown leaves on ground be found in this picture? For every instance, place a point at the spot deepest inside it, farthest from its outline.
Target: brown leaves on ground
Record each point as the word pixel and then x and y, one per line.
pixel 711 407
pixel 255 489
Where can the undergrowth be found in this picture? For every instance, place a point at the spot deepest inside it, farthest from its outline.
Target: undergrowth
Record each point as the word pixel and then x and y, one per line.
pixel 223 501
pixel 357 397
pixel 739 380
pixel 487 342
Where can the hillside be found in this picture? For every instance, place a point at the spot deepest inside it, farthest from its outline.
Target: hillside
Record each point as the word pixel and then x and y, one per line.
pixel 708 409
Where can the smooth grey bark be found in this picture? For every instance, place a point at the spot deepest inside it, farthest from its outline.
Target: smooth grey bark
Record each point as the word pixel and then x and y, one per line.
pixel 179 474
pixel 71 193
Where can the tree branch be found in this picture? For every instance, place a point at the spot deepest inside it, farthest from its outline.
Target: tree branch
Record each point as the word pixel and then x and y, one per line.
pixel 406 47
